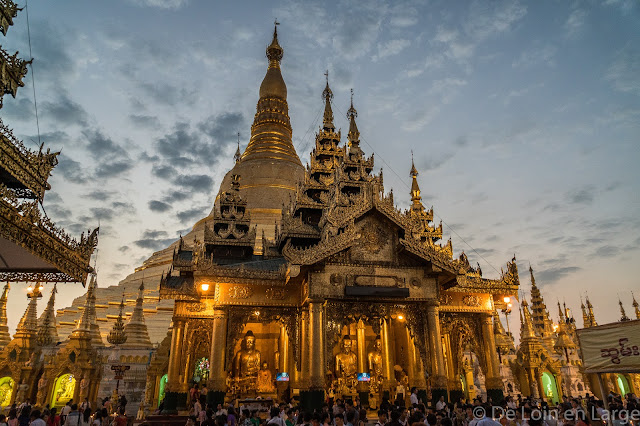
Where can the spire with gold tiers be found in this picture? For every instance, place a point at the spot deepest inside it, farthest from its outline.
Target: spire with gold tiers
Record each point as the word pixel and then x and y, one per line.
pixel 88 324
pixel 47 330
pixel 270 167
pixel 5 337
pixel 136 329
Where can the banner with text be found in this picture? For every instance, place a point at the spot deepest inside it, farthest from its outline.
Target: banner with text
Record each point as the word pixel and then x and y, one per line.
pixel 611 347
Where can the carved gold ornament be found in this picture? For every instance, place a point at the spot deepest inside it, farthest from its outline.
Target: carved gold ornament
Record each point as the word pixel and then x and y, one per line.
pixel 240 292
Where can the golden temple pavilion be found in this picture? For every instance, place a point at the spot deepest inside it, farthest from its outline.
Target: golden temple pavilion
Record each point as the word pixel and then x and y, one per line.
pixel 313 275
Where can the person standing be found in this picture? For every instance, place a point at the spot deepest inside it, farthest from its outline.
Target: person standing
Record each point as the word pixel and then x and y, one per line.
pixel 36 420
pixel 73 418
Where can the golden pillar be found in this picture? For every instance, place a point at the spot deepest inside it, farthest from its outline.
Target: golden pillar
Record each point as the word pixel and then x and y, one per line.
pixel 411 358
pixel 173 373
pixel 454 382
pixel 435 347
pixel 494 381
pixel 283 350
pixel 217 371
pixel 302 378
pixel 362 350
pixel 541 392
pixel 316 346
pixel 387 363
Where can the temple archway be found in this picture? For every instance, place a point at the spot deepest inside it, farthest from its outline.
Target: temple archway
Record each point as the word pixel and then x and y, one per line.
pixel 623 384
pixel 201 370
pixel 63 390
pixel 6 390
pixel 550 387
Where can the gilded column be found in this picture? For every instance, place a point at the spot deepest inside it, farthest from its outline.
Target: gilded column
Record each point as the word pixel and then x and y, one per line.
pixel 541 393
pixel 411 358
pixel 173 373
pixel 283 350
pixel 303 377
pixel 316 346
pixel 439 381
pixel 217 369
pixel 494 381
pixel 385 336
pixel 362 350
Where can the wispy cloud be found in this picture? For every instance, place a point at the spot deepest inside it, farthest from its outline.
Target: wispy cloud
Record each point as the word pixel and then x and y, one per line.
pixel 624 72
pixel 575 23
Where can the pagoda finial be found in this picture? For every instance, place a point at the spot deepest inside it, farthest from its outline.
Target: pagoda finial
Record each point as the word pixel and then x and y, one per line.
pixel 327 95
pixel 623 314
pixel 238 154
pixel 561 316
pixel 416 199
pixel 585 316
pixel 635 305
pixel 47 329
pixel 29 321
pixel 354 134
pixel 274 51
pixel 5 337
pixel 87 323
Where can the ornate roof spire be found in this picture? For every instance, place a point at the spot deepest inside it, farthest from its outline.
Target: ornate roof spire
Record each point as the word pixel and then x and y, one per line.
pixel 47 330
pixel 117 335
pixel 416 199
pixel 136 329
pixel 354 134
pixel 527 331
pixel 585 316
pixel 561 316
pixel 327 95
pixel 623 314
pixel 541 320
pixel 592 317
pixel 5 337
pixel 635 306
pixel 238 154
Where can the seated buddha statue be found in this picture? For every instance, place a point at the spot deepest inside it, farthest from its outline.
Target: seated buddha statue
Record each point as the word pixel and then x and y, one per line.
pixel 374 358
pixel 346 366
pixel 246 363
pixel 265 380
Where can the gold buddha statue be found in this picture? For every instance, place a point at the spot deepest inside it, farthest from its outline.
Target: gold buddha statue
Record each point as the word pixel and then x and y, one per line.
pixel 265 380
pixel 374 358
pixel 346 368
pixel 246 363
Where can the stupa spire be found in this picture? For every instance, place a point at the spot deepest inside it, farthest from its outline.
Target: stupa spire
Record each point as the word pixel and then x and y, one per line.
pixel 29 321
pixel 271 130
pixel 416 199
pixel 136 329
pixel 561 316
pixel 636 307
pixel 87 323
pixel 47 330
pixel 623 314
pixel 238 155
pixel 527 331
pixel 5 337
pixel 117 335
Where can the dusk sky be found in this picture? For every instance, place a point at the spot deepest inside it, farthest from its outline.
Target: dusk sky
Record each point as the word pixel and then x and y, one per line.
pixel 524 120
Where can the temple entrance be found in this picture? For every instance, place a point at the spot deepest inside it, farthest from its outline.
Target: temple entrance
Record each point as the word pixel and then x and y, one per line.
pixel 549 387
pixel 623 385
pixel 201 371
pixel 161 388
pixel 63 389
pixel 6 391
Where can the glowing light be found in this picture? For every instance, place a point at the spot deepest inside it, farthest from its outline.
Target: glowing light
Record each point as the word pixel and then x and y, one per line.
pixel 509 305
pixel 30 289
pixel 40 288
pixel 400 317
pixel 204 287
pixel 257 313
pixel 507 299
pixel 555 327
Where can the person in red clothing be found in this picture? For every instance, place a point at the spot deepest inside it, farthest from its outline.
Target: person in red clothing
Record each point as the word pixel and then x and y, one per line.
pixel 121 419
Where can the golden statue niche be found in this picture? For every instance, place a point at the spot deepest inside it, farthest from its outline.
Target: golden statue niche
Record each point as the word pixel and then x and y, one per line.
pixel 246 364
pixel 346 366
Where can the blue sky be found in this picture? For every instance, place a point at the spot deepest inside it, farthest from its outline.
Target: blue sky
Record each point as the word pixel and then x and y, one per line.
pixel 524 120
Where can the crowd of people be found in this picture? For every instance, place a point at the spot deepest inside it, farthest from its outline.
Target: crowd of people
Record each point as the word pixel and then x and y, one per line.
pixel 72 414
pixel 587 411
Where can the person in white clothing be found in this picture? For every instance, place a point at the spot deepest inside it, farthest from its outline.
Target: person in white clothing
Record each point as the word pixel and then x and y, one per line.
pixel 440 405
pixel 413 398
